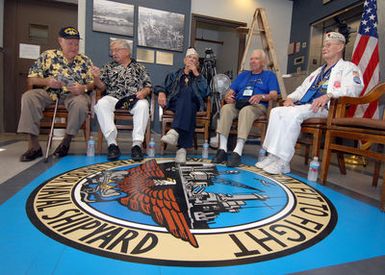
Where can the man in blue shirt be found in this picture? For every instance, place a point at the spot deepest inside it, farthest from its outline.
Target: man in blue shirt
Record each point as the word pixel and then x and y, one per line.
pixel 247 99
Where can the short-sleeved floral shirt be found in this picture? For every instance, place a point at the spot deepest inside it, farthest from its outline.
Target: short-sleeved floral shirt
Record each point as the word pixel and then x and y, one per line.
pixel 122 81
pixel 52 63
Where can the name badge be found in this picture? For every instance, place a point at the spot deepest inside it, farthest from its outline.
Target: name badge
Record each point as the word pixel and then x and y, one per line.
pixel 248 91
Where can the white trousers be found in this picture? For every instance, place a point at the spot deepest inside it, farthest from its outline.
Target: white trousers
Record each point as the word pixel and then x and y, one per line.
pixel 104 110
pixel 284 128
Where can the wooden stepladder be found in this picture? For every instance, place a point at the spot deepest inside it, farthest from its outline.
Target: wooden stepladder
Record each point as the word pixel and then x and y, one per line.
pixel 260 29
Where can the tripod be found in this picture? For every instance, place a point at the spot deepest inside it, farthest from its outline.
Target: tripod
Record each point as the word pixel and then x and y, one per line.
pixel 209 70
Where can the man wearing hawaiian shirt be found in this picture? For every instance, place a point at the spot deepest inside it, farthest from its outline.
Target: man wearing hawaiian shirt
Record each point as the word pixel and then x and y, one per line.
pixel 64 75
pixel 123 80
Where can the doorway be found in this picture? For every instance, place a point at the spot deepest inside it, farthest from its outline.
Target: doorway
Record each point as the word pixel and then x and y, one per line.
pixel 225 38
pixel 347 21
pixel 30 27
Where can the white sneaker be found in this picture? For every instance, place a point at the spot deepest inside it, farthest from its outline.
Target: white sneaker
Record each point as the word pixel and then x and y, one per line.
pixel 181 156
pixel 171 137
pixel 267 161
pixel 278 167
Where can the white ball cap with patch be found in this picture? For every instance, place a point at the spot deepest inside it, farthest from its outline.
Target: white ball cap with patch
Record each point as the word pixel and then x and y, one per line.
pixel 335 36
pixel 191 51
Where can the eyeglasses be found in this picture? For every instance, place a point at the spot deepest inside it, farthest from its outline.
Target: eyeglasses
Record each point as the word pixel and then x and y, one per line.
pixel 117 50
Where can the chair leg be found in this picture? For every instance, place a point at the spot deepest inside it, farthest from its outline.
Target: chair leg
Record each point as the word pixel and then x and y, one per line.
pixel 307 153
pixel 341 163
pixel 195 141
pixel 382 201
pixel 163 132
pixel 263 134
pixel 376 173
pixel 340 158
pixel 87 128
pixel 207 131
pixel 100 142
pixel 325 159
pixel 316 143
pixel 147 136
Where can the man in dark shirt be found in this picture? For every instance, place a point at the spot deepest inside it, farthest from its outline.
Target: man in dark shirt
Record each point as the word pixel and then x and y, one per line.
pixel 183 93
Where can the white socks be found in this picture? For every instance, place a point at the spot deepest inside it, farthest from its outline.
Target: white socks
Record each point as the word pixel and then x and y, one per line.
pixel 239 147
pixel 222 142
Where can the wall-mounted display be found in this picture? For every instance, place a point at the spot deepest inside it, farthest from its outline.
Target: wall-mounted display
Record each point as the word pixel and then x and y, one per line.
pixel 160 29
pixel 113 17
pixel 164 58
pixel 145 55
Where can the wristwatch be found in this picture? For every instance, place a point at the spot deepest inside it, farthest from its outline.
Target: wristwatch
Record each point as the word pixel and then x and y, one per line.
pixel 329 95
pixel 263 97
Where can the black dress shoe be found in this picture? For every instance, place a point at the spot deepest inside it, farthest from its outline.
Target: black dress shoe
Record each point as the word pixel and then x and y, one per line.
pixel 220 157
pixel 31 154
pixel 136 153
pixel 234 160
pixel 61 150
pixel 113 152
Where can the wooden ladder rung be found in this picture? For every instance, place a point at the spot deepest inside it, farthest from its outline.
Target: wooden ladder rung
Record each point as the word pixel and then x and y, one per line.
pixel 260 27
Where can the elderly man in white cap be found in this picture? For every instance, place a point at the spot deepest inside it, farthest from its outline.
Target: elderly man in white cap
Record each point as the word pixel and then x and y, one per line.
pixel 310 100
pixel 183 93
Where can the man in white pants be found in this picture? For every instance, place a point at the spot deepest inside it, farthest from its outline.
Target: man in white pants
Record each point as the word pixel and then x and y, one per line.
pixel 334 79
pixel 122 79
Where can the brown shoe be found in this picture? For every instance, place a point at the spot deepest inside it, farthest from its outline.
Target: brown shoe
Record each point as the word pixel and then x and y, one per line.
pixel 61 150
pixel 31 154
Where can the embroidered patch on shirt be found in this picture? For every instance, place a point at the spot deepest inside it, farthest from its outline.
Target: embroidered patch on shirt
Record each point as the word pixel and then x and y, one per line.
pixel 357 80
pixel 337 84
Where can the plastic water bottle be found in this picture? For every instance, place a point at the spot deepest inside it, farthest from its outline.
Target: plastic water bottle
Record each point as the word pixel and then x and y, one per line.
pixel 261 154
pixel 151 148
pixel 313 170
pixel 91 147
pixel 205 150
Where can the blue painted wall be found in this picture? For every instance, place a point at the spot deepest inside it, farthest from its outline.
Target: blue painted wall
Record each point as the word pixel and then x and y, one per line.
pixel 306 12
pixel 97 43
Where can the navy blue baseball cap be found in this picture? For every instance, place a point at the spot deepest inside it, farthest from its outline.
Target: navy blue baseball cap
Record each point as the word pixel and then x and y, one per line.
pixel 69 33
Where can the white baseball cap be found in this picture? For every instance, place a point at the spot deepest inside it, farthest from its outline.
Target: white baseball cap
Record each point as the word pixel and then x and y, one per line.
pixel 335 36
pixel 191 51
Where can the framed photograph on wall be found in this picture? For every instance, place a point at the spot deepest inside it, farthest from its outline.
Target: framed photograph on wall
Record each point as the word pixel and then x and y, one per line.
pixel 113 17
pixel 160 29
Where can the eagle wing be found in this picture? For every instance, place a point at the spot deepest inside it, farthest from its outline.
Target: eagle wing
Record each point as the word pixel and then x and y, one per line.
pixel 157 201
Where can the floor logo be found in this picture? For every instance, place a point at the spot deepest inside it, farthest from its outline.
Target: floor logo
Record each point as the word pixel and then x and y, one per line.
pixel 197 214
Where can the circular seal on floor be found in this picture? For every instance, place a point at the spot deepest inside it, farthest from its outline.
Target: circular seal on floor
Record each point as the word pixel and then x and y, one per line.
pixel 195 214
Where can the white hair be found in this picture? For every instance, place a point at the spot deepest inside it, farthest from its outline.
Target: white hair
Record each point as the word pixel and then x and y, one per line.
pixel 122 43
pixel 262 53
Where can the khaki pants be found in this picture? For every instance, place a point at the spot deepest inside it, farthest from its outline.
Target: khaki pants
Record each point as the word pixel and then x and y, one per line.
pixel 246 117
pixel 33 103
